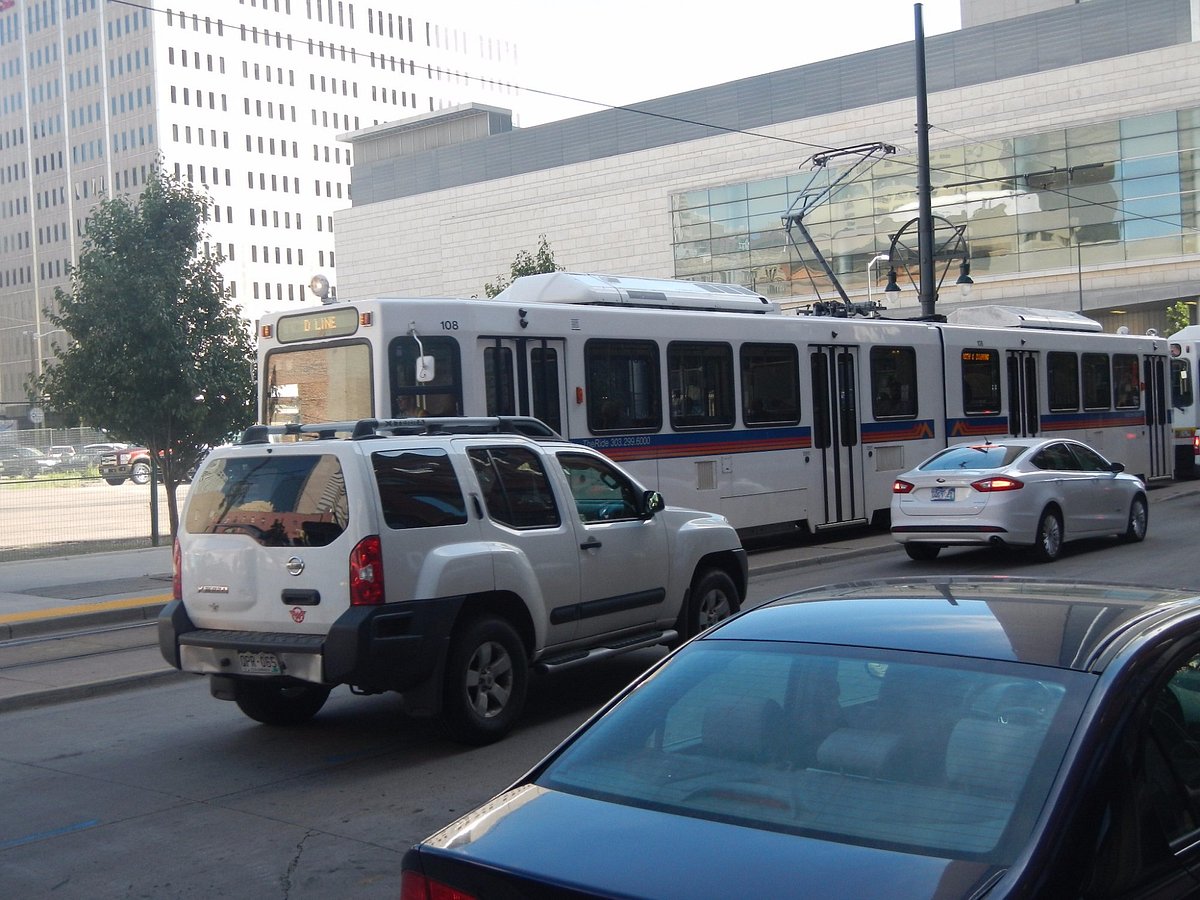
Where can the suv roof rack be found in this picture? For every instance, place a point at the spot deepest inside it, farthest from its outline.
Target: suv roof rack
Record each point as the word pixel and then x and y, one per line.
pixel 364 429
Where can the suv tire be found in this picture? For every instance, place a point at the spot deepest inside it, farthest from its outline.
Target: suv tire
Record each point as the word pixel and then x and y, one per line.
pixel 273 703
pixel 712 597
pixel 487 675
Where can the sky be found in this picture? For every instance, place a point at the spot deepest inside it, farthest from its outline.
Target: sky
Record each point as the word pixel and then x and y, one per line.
pixel 622 51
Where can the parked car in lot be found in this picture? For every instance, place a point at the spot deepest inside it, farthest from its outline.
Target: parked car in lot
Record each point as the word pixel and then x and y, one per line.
pixel 918 738
pixel 67 458
pixel 24 462
pixel 92 453
pixel 1030 492
pixel 440 558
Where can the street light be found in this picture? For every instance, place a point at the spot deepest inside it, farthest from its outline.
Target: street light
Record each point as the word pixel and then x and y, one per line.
pixel 882 257
pixel 964 280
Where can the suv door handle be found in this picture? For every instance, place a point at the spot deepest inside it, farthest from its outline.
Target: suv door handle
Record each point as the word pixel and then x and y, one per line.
pixel 590 544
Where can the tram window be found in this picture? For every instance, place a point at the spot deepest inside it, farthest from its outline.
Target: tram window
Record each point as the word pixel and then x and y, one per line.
pixel 300 383
pixel 543 375
pixel 1126 387
pixel 700 381
pixel 770 384
pixel 1182 395
pixel 498 381
pixel 1097 380
pixel 1062 371
pixel 980 382
pixel 893 382
pixel 623 385
pixel 440 397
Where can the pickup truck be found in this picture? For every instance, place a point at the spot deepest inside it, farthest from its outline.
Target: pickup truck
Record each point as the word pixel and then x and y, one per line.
pixel 128 464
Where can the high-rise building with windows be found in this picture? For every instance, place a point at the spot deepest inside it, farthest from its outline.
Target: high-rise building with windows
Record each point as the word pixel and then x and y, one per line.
pixel 242 98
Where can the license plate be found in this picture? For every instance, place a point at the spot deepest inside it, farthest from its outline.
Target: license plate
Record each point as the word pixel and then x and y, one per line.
pixel 942 493
pixel 250 663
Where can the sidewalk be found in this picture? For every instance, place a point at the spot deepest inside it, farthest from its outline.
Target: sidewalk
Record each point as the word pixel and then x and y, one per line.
pixel 41 595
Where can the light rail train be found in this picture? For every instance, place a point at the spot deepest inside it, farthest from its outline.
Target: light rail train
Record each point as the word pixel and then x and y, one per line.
pixel 712 395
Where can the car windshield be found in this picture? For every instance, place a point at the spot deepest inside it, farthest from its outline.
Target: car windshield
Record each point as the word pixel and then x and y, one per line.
pixel 940 756
pixel 974 456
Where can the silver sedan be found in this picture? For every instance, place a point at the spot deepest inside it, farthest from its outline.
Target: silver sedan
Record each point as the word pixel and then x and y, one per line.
pixel 1033 492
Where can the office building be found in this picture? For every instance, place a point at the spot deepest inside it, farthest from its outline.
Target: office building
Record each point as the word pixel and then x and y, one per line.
pixel 1063 148
pixel 241 98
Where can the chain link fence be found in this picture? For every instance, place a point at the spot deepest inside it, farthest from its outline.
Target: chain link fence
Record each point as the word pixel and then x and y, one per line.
pixel 55 503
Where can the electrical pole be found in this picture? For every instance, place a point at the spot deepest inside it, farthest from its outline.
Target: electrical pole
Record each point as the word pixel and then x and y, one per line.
pixel 928 286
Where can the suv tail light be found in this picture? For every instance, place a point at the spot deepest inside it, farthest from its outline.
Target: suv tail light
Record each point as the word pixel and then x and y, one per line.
pixel 415 886
pixel 176 572
pixel 900 486
pixel 366 572
pixel 997 483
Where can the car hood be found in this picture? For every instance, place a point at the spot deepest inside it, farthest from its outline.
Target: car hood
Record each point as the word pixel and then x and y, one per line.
pixel 534 836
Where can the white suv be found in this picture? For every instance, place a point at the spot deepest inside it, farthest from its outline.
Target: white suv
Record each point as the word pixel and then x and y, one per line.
pixel 440 558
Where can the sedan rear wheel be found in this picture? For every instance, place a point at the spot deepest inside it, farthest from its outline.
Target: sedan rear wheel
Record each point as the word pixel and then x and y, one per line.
pixel 1048 544
pixel 922 552
pixel 1139 520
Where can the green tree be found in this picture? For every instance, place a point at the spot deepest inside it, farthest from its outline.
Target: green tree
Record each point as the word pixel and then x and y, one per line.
pixel 156 352
pixel 1179 315
pixel 526 263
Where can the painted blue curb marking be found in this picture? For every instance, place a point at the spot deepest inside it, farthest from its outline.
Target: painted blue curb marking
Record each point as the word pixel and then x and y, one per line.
pixel 42 835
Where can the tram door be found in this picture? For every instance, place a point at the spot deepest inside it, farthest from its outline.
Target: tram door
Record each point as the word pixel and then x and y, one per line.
pixel 525 377
pixel 837 440
pixel 1023 418
pixel 1155 396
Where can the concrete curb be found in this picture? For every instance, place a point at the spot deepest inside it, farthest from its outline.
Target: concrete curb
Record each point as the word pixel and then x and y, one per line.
pixel 53 624
pixel 90 689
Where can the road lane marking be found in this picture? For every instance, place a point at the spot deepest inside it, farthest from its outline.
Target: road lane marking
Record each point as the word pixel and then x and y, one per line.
pixel 43 835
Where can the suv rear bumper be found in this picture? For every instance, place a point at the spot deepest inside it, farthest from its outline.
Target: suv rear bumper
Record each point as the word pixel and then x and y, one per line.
pixel 393 647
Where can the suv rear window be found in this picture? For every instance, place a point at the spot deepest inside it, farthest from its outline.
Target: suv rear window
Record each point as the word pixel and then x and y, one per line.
pixel 279 501
pixel 418 489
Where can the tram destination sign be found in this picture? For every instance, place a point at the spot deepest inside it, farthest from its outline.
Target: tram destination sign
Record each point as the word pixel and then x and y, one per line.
pixel 327 323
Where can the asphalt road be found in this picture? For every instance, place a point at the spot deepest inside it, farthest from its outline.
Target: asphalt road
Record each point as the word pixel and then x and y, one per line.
pixel 165 792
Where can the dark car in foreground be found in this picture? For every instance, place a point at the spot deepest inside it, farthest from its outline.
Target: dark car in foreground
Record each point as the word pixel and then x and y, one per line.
pixel 947 737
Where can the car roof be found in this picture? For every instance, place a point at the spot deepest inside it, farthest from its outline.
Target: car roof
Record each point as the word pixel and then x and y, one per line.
pixel 1039 621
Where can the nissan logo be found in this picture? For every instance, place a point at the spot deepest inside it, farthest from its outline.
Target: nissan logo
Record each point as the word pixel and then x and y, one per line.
pixel 295 565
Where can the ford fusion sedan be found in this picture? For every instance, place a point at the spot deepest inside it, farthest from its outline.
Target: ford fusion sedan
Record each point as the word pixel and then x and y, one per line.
pixel 1028 492
pixel 919 738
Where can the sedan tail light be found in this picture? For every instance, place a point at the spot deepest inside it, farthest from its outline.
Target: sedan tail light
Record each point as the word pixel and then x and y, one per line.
pixel 900 486
pixel 997 483
pixel 366 572
pixel 415 886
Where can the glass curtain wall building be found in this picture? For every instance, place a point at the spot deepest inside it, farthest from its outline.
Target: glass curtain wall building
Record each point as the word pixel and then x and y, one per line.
pixel 1099 194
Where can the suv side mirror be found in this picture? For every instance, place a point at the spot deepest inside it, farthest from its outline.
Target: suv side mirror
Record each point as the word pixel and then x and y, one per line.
pixel 652 502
